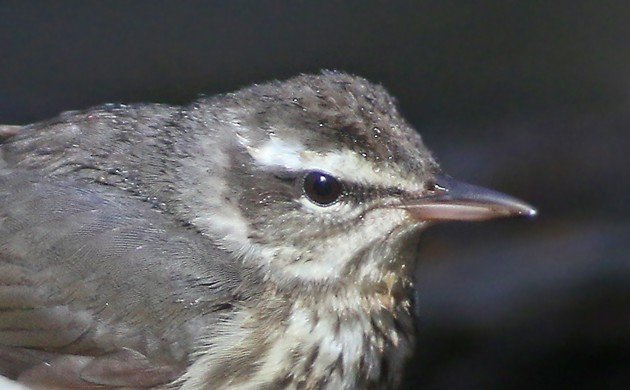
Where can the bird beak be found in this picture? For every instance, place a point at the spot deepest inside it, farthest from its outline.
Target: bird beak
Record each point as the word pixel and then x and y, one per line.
pixel 452 200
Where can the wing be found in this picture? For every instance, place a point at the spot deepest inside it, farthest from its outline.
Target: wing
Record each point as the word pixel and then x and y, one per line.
pixel 99 289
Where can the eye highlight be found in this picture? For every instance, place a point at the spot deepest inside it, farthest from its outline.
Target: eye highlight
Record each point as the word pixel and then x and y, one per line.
pixel 322 188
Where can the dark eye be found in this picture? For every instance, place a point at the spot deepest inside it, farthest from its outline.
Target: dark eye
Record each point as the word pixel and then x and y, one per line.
pixel 321 188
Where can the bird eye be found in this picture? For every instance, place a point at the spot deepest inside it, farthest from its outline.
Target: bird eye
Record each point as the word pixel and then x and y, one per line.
pixel 322 188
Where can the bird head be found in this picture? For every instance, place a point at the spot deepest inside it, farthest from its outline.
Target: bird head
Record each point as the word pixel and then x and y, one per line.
pixel 319 180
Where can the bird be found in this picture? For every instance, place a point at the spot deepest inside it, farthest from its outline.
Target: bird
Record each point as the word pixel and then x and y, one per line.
pixel 259 239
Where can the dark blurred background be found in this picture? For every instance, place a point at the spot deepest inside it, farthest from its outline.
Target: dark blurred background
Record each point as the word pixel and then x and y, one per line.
pixel 528 97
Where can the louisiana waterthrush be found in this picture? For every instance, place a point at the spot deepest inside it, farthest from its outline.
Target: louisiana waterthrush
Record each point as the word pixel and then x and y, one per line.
pixel 258 239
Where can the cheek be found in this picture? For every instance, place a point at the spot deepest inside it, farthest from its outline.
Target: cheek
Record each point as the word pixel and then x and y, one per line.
pixel 276 222
pixel 340 244
pixel 359 248
pixel 285 217
pixel 266 204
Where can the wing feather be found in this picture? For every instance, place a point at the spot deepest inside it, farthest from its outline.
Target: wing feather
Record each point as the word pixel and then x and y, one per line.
pixel 97 287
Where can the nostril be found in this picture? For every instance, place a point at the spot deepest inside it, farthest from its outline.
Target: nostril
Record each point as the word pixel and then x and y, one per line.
pixel 432 187
pixel 395 192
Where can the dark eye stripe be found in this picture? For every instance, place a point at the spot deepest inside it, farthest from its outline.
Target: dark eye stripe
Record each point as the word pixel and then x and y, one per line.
pixel 285 178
